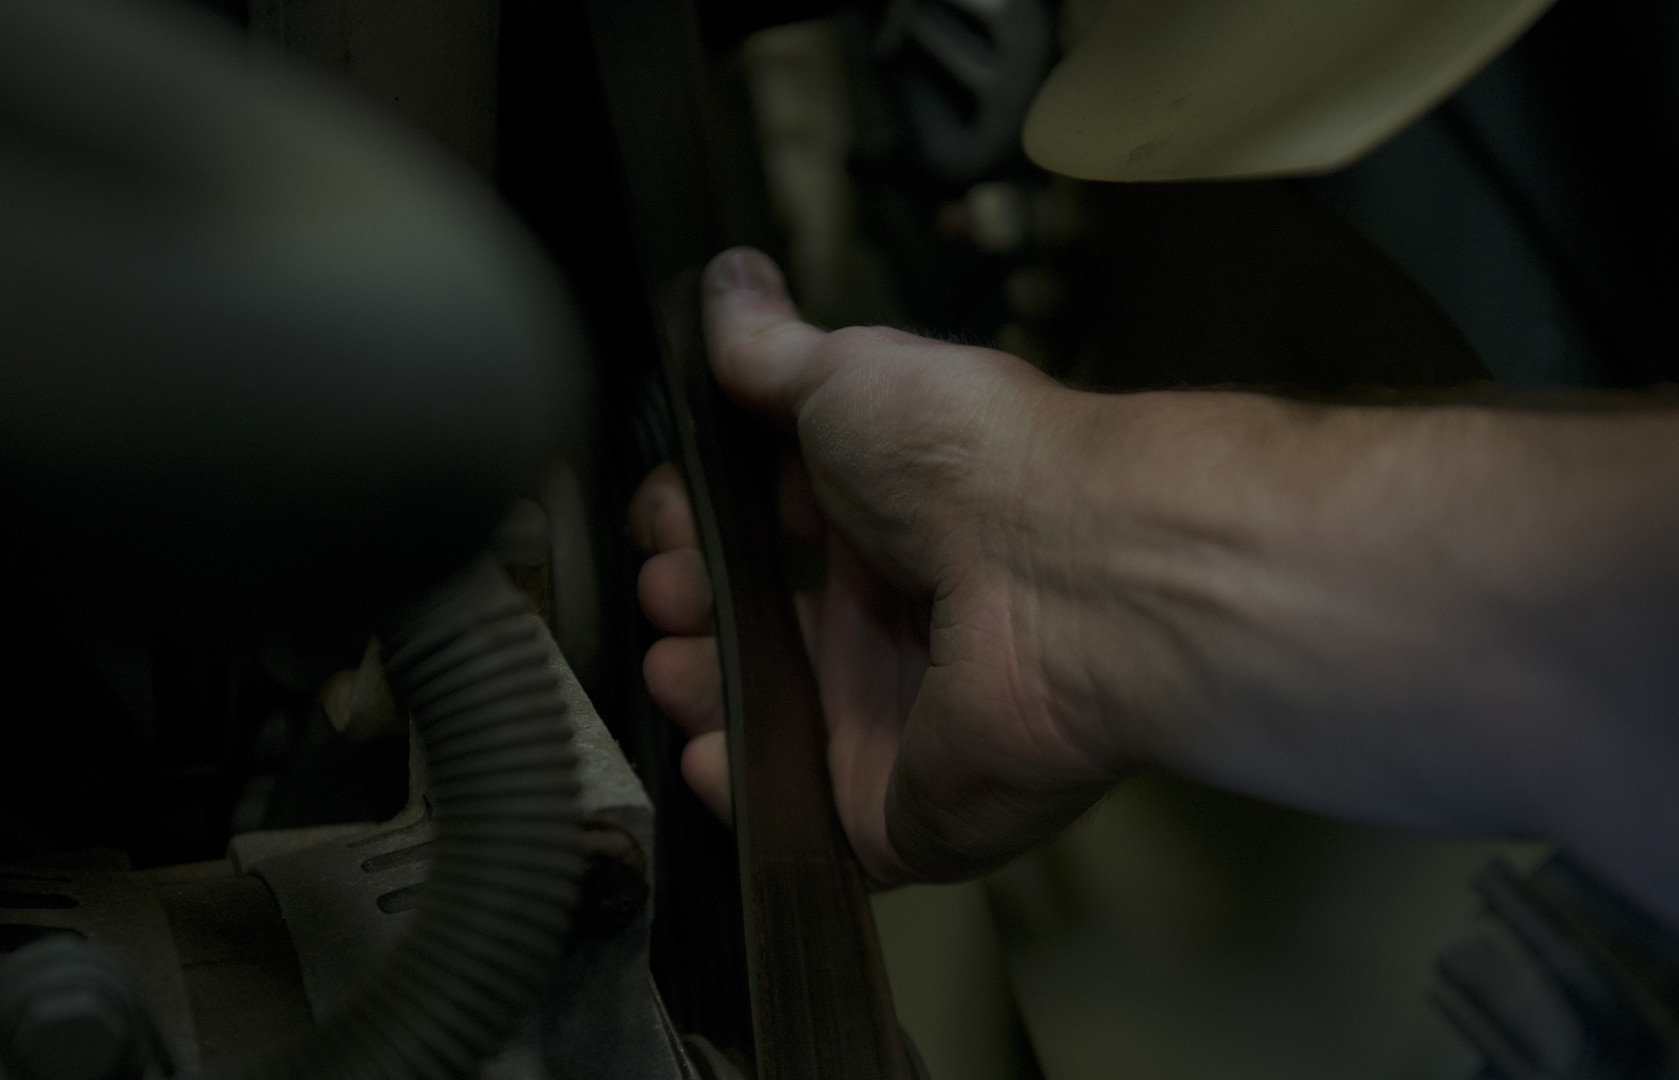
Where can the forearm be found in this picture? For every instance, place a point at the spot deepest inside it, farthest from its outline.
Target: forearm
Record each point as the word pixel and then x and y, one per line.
pixel 1449 617
pixel 1455 618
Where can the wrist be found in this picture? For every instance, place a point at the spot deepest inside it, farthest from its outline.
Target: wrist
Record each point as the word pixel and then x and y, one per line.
pixel 1243 589
pixel 1114 519
pixel 1448 618
pixel 1150 521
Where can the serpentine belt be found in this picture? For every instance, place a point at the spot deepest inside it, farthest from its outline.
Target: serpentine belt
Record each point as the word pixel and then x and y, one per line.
pixel 821 1007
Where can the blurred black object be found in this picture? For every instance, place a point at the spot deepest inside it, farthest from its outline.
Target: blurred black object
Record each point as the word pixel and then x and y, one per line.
pixel 68 1011
pixel 724 23
pixel 1562 978
pixel 962 74
pixel 257 354
pixel 1536 205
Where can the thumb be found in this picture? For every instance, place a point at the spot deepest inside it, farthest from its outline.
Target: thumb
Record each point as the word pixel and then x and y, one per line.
pixel 762 353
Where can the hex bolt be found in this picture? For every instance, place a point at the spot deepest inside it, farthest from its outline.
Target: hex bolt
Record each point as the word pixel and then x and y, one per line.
pixel 614 887
pixel 67 1013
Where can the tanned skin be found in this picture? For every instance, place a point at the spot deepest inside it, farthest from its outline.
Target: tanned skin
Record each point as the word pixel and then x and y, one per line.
pixel 1453 618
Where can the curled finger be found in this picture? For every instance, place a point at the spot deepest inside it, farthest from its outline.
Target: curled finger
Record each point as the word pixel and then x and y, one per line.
pixel 661 518
pixel 675 592
pixel 705 766
pixel 685 682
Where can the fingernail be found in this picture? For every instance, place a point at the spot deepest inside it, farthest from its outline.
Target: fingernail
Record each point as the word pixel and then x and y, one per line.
pixel 744 269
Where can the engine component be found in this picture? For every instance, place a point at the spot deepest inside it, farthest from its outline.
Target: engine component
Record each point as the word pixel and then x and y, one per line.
pixel 233 956
pixel 490 923
pixel 1561 978
pixel 68 1012
pixel 1231 88
pixel 964 72
pixel 253 342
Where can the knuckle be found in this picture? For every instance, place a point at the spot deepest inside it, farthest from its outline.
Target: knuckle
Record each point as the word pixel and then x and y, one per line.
pixel 859 340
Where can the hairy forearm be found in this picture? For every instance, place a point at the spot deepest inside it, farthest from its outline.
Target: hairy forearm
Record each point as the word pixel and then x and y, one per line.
pixel 1450 617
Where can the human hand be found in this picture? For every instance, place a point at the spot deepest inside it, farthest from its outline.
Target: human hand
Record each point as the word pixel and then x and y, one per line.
pixel 946 748
pixel 1429 617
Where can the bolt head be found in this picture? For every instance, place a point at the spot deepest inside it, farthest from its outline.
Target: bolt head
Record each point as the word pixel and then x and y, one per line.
pixel 614 887
pixel 72 1034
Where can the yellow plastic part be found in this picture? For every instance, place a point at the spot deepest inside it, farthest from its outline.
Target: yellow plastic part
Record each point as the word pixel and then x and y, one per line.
pixel 1201 89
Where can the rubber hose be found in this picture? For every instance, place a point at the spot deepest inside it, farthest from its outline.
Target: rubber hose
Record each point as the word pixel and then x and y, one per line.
pixel 473 667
